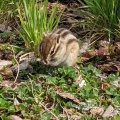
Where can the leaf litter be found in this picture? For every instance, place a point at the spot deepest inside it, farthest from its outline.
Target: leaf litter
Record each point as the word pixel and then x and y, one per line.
pixel 68 96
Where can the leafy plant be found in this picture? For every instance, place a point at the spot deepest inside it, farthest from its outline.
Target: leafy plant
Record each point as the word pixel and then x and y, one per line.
pixel 102 15
pixel 40 90
pixel 35 21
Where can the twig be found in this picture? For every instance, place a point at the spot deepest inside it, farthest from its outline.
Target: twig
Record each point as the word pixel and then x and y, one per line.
pixel 65 112
pixel 17 64
pixel 95 40
pixel 49 111
pixel 31 86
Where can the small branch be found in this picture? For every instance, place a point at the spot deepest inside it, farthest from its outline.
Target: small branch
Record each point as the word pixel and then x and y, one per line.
pixel 49 111
pixel 17 64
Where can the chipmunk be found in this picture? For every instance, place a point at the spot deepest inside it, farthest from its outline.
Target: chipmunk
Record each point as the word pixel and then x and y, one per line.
pixel 59 48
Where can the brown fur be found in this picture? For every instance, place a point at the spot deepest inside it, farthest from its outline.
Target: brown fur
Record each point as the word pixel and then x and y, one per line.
pixel 59 48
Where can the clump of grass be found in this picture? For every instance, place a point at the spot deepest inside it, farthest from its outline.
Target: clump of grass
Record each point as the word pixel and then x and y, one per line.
pixel 102 14
pixel 35 21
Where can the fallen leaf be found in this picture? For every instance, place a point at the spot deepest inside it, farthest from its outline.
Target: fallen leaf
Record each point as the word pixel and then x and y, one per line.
pixel 68 96
pixel 15 117
pixel 96 111
pixel 7 83
pixel 80 81
pixel 84 59
pixel 104 86
pixel 4 63
pixel 88 55
pixel 6 72
pixel 103 52
pixel 110 67
pixel 109 112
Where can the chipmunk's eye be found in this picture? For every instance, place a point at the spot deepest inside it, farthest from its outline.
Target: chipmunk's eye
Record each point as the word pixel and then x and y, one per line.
pixel 52 51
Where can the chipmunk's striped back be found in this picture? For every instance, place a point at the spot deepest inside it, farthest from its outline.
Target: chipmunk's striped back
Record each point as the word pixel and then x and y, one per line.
pixel 65 34
pixel 57 46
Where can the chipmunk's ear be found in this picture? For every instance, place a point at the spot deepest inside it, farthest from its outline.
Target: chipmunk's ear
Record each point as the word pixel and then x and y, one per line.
pixel 58 38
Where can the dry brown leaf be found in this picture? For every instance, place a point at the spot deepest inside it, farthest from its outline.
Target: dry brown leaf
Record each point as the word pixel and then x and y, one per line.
pixel 68 96
pixel 7 83
pixel 6 72
pixel 88 55
pixel 96 111
pixel 109 112
pixel 84 59
pixel 104 86
pixel 103 51
pixel 110 67
pixel 4 63
pixel 80 81
pixel 15 117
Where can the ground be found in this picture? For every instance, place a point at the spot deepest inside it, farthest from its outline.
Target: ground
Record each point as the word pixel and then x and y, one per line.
pixel 30 90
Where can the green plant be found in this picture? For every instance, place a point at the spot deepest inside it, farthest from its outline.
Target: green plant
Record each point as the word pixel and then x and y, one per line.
pixel 35 21
pixel 35 97
pixel 102 15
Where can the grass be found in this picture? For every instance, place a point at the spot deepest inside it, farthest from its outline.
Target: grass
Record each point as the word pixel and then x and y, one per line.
pixel 35 21
pixel 102 15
